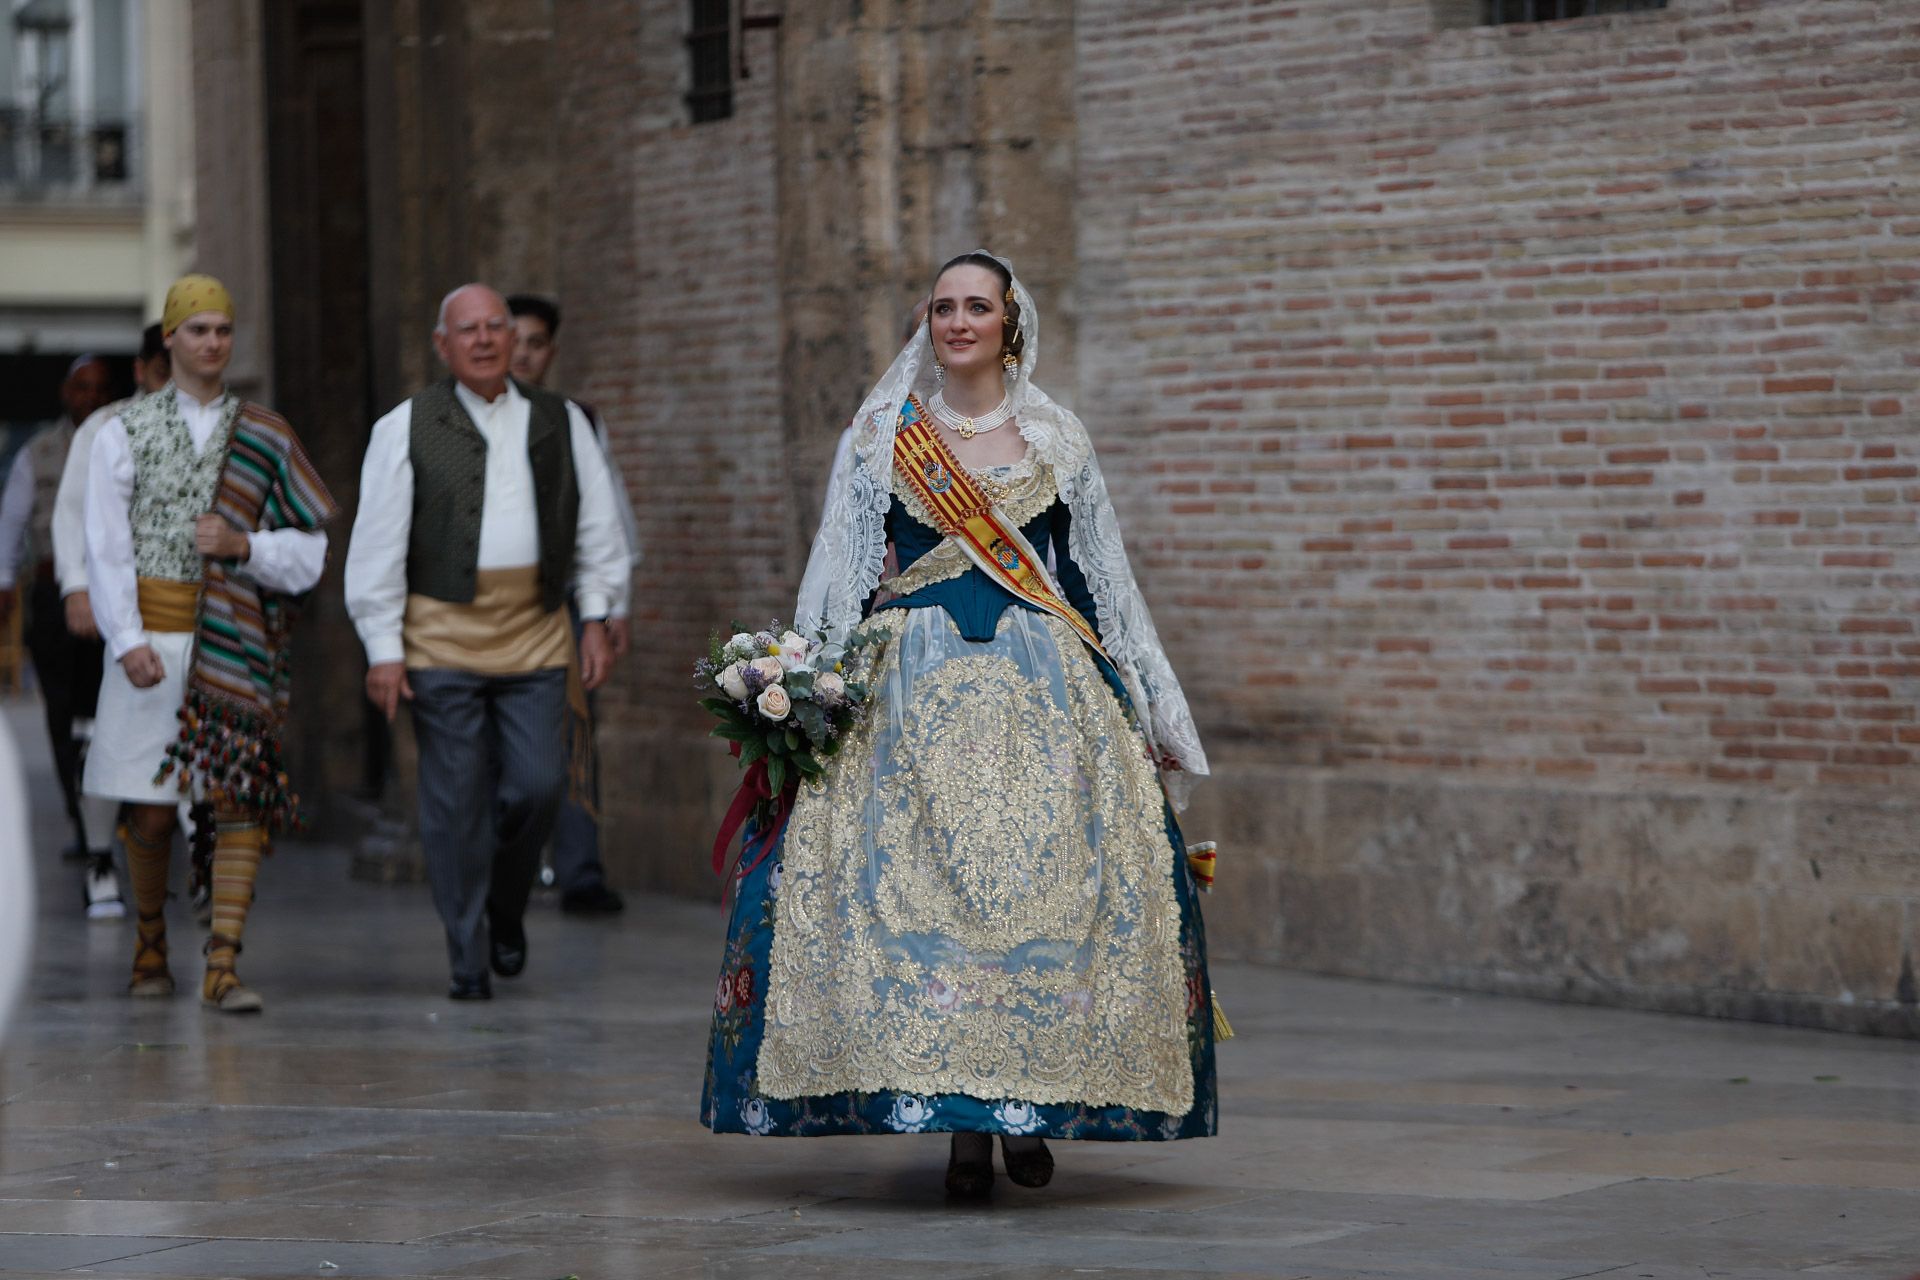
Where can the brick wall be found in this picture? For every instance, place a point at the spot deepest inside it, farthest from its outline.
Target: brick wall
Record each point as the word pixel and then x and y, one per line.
pixel 670 280
pixel 1509 417
pixel 1512 429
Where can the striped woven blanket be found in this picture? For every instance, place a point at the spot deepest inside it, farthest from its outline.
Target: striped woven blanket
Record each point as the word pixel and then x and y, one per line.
pixel 238 688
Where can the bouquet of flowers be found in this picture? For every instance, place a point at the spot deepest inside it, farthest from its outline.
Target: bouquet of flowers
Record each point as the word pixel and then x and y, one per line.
pixel 785 702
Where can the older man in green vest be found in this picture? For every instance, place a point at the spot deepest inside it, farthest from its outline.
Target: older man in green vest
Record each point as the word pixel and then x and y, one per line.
pixel 484 503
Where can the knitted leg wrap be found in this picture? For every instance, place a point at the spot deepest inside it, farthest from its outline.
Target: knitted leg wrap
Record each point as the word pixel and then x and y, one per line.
pixel 149 839
pixel 236 863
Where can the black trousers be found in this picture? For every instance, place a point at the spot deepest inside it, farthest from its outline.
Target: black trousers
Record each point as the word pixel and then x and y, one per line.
pixel 68 669
pixel 493 769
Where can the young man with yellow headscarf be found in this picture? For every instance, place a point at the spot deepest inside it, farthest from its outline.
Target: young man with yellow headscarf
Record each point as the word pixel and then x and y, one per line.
pixel 203 527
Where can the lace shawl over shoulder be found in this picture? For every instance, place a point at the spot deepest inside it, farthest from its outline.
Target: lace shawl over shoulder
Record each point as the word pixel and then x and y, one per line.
pixel 849 552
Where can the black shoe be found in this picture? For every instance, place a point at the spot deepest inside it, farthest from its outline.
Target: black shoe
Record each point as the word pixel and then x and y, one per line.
pixel 1027 1166
pixel 509 949
pixel 597 900
pixel 480 988
pixel 970 1167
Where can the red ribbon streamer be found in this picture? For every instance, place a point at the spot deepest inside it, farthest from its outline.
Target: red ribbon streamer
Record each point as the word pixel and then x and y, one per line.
pixel 754 789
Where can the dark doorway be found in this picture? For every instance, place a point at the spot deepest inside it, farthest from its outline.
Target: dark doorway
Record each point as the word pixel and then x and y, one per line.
pixel 319 240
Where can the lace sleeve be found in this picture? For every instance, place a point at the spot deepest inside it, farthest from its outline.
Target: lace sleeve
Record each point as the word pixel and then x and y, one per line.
pixel 1126 625
pixel 849 553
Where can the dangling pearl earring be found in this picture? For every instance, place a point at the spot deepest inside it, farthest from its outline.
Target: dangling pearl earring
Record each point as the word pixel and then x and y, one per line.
pixel 939 373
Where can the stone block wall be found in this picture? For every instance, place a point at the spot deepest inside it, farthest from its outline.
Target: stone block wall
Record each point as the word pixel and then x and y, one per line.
pixel 1514 431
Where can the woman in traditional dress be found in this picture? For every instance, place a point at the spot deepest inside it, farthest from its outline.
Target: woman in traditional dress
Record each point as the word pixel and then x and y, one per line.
pixel 981 919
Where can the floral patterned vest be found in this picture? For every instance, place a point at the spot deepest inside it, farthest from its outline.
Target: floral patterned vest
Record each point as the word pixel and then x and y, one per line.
pixel 171 483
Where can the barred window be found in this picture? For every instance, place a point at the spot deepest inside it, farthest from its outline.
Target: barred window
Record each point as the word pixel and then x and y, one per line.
pixel 710 50
pixel 1499 12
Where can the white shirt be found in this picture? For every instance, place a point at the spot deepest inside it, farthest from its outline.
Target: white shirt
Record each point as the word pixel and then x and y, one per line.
pixel 70 503
pixel 509 532
pixel 284 560
pixel 629 524
pixel 16 511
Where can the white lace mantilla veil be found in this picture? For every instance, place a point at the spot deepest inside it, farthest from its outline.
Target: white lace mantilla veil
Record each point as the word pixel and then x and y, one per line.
pixel 850 550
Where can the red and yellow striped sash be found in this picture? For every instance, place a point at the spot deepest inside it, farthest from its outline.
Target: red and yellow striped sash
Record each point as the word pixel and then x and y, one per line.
pixel 962 511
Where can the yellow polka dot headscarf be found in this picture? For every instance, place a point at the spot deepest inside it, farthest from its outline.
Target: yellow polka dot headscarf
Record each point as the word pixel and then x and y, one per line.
pixel 190 296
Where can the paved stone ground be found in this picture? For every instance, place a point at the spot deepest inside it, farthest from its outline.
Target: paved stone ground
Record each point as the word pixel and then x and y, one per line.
pixel 365 1126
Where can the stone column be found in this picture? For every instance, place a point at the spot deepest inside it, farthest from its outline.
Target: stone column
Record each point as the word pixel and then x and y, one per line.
pixel 911 132
pixel 462 155
pixel 216 92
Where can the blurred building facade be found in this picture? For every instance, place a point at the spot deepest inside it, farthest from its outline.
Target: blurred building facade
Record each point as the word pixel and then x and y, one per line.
pixel 1511 415
pixel 96 183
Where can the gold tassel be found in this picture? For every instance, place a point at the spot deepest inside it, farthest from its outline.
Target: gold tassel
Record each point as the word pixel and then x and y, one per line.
pixel 1222 1029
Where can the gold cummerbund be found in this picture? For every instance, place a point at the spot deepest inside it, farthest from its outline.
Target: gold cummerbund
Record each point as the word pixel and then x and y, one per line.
pixel 166 605
pixel 503 632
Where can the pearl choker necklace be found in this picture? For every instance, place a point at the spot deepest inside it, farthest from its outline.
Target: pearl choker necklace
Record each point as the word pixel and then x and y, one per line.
pixel 968 428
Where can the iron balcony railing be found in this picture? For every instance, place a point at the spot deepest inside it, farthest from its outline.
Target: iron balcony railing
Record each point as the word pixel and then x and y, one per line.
pixel 56 157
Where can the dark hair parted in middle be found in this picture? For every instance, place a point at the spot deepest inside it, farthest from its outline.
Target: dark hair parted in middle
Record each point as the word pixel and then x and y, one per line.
pixel 1011 338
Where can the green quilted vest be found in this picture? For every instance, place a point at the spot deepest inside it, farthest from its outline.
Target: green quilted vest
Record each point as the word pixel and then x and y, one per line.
pixel 449 457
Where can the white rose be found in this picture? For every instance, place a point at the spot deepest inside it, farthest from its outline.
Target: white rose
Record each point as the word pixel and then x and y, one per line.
pixel 732 683
pixel 829 688
pixel 793 650
pixel 769 668
pixel 774 703
pixel 741 644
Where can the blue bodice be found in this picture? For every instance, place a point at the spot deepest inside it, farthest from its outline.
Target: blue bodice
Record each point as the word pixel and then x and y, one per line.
pixel 973 600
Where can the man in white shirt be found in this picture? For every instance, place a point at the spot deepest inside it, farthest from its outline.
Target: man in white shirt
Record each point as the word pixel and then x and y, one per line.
pixel 68 672
pixel 484 503
pixel 87 655
pixel 577 870
pixel 202 527
pixel 151 373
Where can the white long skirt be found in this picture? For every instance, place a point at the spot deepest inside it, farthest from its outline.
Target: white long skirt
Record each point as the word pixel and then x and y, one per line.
pixel 133 727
